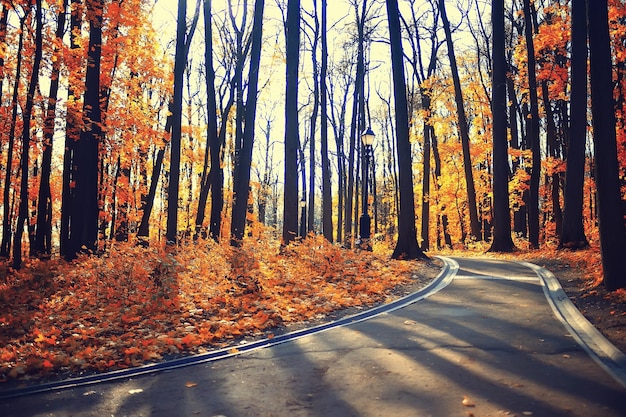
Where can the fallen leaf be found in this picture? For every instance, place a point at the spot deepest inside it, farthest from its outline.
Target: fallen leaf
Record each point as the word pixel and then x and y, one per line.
pixel 191 384
pixel 467 402
pixel 233 350
pixel 135 391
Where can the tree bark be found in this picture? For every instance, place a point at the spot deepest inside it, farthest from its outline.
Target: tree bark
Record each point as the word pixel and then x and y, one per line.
pixel 502 241
pixel 26 118
pixel 406 246
pixel 84 205
pixel 610 219
pixel 573 233
pixel 5 246
pixel 327 202
pixel 533 133
pixel 72 134
pixel 43 235
pixel 290 203
pixel 171 233
pixel 463 128
pixel 242 185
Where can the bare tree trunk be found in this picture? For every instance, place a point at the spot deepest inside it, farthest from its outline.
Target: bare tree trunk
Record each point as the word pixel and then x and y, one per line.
pixel 290 205
pixel 611 221
pixel 327 202
pixel 316 105
pixel 406 246
pixel 502 241
pixel 43 237
pixel 573 233
pixel 533 133
pixel 463 128
pixel 171 233
pixel 26 118
pixel 242 185
pixel 5 246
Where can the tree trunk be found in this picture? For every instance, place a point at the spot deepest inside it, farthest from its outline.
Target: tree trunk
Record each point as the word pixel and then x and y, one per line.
pixel 463 128
pixel 242 185
pixel 72 133
pixel 502 241
pixel 4 17
pixel 406 246
pixel 316 101
pixel 533 133
pixel 43 236
pixel 327 202
pixel 180 62
pixel 5 246
pixel 573 233
pixel 610 219
pixel 290 204
pixel 84 205
pixel 26 118
pixel 428 132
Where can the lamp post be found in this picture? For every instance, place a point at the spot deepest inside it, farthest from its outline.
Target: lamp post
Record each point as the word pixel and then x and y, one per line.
pixel 367 137
pixel 303 217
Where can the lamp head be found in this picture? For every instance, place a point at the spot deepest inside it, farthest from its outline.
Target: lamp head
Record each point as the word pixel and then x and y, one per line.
pixel 368 137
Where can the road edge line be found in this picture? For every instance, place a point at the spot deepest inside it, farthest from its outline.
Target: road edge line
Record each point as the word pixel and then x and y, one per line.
pixel 599 348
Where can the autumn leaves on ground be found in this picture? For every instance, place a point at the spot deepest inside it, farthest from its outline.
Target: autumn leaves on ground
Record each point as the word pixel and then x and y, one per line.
pixel 135 305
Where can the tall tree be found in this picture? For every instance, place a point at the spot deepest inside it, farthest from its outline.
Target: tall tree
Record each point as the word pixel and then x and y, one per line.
pixel 313 124
pixel 358 120
pixel 573 233
pixel 215 177
pixel 242 169
pixel 611 221
pixel 5 246
pixel 533 131
pixel 463 127
pixel 177 108
pixel 84 210
pixel 22 215
pixel 406 246
pixel 421 73
pixel 43 237
pixel 292 140
pixel 327 202
pixel 502 241
pixel 72 134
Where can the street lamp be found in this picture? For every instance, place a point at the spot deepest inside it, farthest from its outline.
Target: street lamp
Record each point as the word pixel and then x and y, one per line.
pixel 303 217
pixel 367 137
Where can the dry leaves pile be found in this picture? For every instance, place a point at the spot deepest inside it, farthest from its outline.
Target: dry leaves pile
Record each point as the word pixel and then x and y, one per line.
pixel 135 305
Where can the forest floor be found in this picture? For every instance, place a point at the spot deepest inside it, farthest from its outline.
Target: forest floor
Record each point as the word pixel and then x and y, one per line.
pixel 136 306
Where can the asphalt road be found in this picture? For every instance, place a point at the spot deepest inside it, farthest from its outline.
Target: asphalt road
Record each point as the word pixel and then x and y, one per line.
pixel 488 344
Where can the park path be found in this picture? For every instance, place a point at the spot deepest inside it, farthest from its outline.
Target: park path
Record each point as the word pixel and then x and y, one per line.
pixel 487 344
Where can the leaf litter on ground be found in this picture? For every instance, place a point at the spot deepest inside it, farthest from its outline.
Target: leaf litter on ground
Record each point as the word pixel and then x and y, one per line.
pixel 133 305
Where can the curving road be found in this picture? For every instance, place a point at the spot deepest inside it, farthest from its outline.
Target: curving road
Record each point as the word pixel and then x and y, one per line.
pixel 492 338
